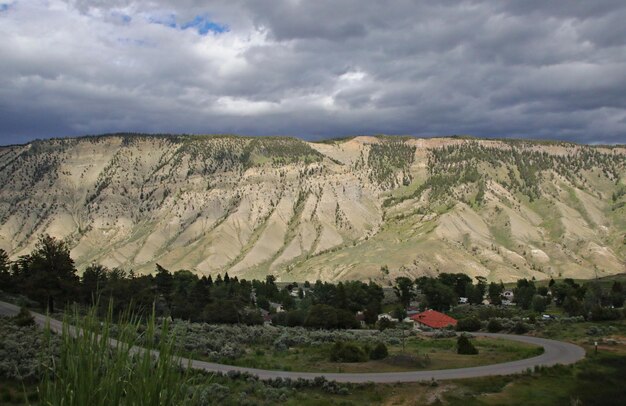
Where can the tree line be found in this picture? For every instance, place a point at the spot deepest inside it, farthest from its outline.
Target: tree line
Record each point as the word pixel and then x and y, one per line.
pixel 49 277
pixel 590 300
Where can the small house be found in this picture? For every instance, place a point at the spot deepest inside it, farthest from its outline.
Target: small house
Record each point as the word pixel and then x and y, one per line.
pixel 433 319
pixel 277 307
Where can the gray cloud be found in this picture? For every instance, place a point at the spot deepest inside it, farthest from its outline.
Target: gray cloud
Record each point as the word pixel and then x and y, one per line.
pixel 315 69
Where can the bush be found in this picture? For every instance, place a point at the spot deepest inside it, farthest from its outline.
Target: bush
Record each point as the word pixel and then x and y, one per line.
pixel 379 352
pixel 22 349
pixel 347 352
pixel 494 326
pixel 599 313
pixel 520 328
pixel 444 333
pixel 384 323
pixel 464 346
pixel 468 324
pixel 24 318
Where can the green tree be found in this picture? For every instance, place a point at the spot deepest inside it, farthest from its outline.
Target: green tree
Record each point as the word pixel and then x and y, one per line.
pixel 199 298
pixel 51 275
pixel 617 294
pixel 224 311
pixel 464 346
pixel 480 290
pixel 457 281
pixel 379 351
pixel 524 293
pixel 164 282
pixel 94 281
pixel 593 297
pixel 539 304
pixel 404 290
pixel 5 275
pixel 321 316
pixel 572 306
pixel 495 292
pixel 439 296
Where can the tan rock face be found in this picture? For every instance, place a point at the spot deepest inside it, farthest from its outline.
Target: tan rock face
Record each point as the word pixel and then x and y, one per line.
pixel 332 210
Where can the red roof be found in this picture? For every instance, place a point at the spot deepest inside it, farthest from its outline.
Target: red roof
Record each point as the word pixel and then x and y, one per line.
pixel 434 319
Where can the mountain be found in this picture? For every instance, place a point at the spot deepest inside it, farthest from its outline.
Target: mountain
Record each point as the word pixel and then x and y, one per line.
pixel 354 208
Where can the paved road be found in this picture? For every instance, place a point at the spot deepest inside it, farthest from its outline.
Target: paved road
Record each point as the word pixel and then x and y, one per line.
pixel 555 352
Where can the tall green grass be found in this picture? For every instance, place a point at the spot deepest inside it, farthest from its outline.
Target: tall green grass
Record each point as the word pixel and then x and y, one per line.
pixel 95 369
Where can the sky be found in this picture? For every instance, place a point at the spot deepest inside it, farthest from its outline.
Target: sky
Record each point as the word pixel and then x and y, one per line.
pixel 314 69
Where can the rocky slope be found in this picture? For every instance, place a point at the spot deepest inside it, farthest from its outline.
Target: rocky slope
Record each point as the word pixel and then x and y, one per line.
pixel 334 210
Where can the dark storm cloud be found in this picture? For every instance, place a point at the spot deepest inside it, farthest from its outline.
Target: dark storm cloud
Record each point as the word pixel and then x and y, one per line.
pixel 314 68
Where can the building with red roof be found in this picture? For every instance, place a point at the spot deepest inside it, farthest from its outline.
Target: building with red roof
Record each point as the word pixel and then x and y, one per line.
pixel 433 319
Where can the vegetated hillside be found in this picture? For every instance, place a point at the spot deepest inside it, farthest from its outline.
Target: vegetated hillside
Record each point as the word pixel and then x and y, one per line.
pixel 340 209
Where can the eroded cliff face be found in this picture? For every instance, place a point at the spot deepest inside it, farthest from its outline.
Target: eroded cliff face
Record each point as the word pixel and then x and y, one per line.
pixel 333 210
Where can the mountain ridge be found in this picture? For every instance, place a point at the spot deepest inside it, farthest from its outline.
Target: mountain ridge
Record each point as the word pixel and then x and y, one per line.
pixel 329 209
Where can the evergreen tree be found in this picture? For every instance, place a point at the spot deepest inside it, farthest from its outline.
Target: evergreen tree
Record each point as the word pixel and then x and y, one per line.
pixel 51 275
pixel 164 282
pixel 404 290
pixel 5 275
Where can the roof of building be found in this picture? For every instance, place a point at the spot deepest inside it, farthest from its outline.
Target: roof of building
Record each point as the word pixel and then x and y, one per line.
pixel 434 319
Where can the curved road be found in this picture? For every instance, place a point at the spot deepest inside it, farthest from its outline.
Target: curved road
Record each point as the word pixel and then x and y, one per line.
pixel 555 352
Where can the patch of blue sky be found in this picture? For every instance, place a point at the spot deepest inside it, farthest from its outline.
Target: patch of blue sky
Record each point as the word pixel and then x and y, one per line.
pixel 4 6
pixel 200 23
pixel 168 20
pixel 204 26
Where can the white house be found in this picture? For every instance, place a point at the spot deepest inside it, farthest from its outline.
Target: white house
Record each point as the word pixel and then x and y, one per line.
pixel 277 307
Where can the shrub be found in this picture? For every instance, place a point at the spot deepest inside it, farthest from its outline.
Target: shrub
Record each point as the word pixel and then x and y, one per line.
pixel 379 352
pixel 21 351
pixel 384 323
pixel 494 326
pixel 468 324
pixel 520 328
pixel 599 313
pixel 444 333
pixel 347 352
pixel 24 318
pixel 213 392
pixel 465 347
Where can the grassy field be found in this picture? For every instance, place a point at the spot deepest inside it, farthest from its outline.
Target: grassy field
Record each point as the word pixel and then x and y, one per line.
pixel 420 354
